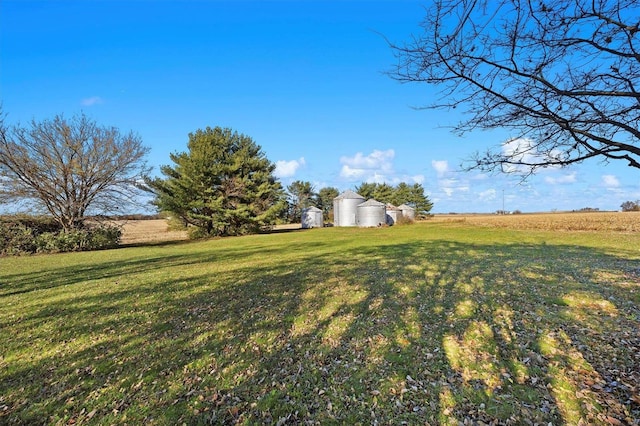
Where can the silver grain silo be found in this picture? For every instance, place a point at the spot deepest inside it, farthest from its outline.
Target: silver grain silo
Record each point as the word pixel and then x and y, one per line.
pixel 344 208
pixel 393 214
pixel 408 211
pixel 371 213
pixel 312 218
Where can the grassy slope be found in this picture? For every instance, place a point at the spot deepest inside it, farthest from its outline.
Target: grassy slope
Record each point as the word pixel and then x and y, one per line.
pixel 427 323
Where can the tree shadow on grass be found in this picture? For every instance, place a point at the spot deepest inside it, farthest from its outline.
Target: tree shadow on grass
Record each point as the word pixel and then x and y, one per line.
pixel 105 268
pixel 422 332
pixel 158 243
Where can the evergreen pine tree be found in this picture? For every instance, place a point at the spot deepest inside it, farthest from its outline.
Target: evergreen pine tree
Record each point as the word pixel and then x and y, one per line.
pixel 223 185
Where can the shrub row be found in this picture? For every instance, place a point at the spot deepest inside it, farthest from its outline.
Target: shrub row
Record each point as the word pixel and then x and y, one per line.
pixel 26 235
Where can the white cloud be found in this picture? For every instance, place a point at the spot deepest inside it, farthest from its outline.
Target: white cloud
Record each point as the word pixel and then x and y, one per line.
pixel 418 179
pixel 450 186
pixel 348 172
pixel 519 150
pixel 441 167
pixel 570 178
pixel 488 195
pixel 519 146
pixel 376 160
pixel 524 150
pixel 610 181
pixel 375 167
pixel 407 179
pixel 480 177
pixel 286 169
pixel 94 100
pixel 449 182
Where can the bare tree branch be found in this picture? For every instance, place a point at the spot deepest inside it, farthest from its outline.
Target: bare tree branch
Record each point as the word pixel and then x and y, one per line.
pixel 561 75
pixel 71 167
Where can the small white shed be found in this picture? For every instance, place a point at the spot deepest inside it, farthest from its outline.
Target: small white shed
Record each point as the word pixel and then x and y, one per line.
pixel 408 211
pixel 312 218
pixel 393 214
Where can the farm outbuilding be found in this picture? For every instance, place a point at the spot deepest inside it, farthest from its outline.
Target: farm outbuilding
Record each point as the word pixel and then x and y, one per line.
pixel 312 218
pixel 371 213
pixel 351 209
pixel 393 214
pixel 408 211
pixel 345 208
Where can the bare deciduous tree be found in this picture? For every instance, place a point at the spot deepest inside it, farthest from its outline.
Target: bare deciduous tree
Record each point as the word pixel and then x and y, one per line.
pixel 69 167
pixel 563 76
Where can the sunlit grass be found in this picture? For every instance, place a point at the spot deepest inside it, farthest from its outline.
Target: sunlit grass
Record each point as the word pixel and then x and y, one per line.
pixel 430 323
pixel 565 365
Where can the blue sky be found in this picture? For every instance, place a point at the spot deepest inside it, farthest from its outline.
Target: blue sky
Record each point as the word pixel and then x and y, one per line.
pixel 304 79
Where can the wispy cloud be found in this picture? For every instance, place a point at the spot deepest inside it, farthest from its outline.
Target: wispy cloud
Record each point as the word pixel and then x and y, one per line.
pixel 93 100
pixel 449 182
pixel 417 179
pixel 610 181
pixel 374 167
pixel 488 195
pixel 561 180
pixel 451 185
pixel 285 169
pixel 440 166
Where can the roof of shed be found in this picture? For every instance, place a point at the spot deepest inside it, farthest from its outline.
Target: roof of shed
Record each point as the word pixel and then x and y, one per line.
pixel 371 202
pixel 348 194
pixel 392 207
pixel 405 207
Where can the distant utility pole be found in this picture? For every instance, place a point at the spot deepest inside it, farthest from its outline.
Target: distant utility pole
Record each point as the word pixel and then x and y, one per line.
pixel 503 212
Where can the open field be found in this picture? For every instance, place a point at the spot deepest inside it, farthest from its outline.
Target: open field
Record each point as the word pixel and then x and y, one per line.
pixel 149 231
pixel 157 230
pixel 593 221
pixel 433 323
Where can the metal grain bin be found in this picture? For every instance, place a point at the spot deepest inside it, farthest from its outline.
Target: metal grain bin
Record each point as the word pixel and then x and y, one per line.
pixel 312 218
pixel 393 214
pixel 345 208
pixel 371 213
pixel 408 211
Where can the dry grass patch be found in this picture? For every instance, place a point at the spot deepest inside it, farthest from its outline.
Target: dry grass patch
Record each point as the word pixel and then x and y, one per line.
pixel 148 231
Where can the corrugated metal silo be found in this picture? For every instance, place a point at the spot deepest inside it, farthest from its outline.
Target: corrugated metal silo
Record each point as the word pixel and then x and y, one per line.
pixel 345 208
pixel 312 218
pixel 408 211
pixel 371 213
pixel 393 214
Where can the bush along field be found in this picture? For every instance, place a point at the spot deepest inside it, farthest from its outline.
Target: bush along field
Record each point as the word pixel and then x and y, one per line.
pixel 433 323
pixel 22 235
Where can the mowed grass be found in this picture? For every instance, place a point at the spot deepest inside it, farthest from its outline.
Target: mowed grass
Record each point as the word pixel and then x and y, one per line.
pixel 433 323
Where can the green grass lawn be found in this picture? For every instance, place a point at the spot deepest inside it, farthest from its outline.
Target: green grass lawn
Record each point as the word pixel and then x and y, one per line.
pixel 423 324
